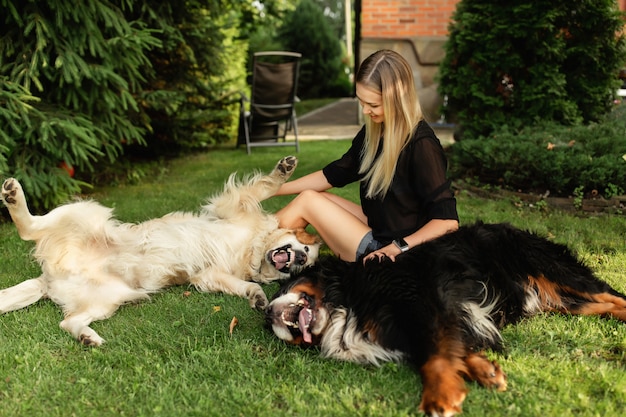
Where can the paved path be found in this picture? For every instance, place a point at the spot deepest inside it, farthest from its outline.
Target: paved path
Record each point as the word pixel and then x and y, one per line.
pixel 341 120
pixel 337 120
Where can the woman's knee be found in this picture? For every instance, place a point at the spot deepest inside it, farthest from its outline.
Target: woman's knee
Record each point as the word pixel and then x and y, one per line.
pixel 295 214
pixel 310 194
pixel 308 197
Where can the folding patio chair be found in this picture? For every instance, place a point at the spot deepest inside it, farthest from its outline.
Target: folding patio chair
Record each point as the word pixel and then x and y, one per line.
pixel 271 112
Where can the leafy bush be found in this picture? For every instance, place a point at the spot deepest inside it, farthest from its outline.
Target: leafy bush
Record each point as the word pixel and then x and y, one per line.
pixel 189 100
pixel 322 71
pixel 92 84
pixel 68 74
pixel 521 62
pixel 564 160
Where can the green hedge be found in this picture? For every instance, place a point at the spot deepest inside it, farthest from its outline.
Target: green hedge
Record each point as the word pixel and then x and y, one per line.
pixel 549 157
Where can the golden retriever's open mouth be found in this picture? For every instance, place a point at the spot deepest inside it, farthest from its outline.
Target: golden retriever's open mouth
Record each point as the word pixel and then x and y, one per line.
pixel 283 258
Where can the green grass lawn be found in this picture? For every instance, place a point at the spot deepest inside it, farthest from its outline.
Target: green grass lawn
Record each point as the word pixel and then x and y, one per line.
pixel 174 356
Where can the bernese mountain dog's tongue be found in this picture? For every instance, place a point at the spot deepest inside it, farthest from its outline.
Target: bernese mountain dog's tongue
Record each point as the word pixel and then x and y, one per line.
pixel 304 319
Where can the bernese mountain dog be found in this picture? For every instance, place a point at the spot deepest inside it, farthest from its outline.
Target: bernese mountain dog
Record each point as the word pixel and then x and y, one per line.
pixel 439 305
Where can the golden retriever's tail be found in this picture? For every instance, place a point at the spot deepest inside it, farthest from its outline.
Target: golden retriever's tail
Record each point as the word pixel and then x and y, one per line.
pixel 22 295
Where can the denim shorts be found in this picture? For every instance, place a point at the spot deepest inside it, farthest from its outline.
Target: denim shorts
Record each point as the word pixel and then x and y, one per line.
pixel 368 244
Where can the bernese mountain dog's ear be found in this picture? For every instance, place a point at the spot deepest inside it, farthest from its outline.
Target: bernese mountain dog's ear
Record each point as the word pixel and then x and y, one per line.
pixel 295 277
pixel 304 281
pixel 310 287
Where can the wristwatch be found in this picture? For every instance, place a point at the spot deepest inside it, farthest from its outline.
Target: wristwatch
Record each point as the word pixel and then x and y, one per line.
pixel 401 244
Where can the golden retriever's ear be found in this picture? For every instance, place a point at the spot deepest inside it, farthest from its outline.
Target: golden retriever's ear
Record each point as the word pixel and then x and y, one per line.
pixel 307 238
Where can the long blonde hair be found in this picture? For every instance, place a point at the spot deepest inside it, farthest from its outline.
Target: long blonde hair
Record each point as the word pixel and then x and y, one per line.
pixel 388 73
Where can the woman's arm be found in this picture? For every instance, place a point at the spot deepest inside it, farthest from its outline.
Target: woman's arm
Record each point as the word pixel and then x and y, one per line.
pixel 431 230
pixel 314 181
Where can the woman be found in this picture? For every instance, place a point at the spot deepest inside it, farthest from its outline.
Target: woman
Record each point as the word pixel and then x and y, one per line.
pixel 405 195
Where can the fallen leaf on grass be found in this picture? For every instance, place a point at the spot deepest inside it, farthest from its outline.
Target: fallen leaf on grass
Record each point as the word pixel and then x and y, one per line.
pixel 186 293
pixel 233 323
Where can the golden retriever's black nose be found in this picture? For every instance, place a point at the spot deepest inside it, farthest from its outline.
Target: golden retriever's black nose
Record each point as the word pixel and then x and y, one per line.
pixel 301 258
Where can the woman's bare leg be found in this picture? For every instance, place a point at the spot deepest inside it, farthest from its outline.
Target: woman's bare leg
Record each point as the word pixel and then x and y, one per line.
pixel 340 223
pixel 348 205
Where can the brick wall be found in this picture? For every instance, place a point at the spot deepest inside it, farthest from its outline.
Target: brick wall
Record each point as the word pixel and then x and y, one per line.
pixel 405 18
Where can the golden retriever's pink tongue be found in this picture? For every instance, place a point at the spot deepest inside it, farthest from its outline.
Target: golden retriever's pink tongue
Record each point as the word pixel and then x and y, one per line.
pixel 280 259
pixel 304 318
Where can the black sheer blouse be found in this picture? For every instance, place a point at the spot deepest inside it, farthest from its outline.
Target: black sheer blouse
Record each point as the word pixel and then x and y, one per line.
pixel 420 190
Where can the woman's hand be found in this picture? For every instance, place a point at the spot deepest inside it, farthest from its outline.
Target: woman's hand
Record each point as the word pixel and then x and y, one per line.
pixel 390 251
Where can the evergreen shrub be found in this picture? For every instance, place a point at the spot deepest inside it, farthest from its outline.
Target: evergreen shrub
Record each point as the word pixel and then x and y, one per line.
pixel 190 99
pixel 92 85
pixel 564 160
pixel 323 72
pixel 523 62
pixel 68 74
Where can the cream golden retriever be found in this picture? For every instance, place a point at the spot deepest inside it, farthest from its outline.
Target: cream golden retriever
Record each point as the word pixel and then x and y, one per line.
pixel 91 263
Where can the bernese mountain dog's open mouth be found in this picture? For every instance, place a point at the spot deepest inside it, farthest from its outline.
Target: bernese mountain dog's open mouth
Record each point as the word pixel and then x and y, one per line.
pixel 299 317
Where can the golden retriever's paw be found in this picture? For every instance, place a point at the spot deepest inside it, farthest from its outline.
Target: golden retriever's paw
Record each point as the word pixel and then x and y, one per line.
pixel 286 166
pixel 258 299
pixel 92 340
pixel 11 189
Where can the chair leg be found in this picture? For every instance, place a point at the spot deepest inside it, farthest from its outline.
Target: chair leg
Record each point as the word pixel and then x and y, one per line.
pixel 294 124
pixel 246 131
